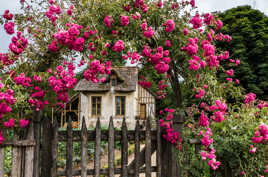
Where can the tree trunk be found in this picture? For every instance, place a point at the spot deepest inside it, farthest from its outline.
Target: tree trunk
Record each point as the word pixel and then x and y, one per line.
pixel 170 165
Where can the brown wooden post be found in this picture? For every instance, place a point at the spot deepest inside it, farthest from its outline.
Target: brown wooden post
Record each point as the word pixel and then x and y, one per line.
pixel 97 149
pixel 2 158
pixel 111 148
pixel 29 154
pixel 69 149
pixel 84 149
pixel 46 163
pixel 124 149
pixel 37 137
pixel 137 149
pixel 2 161
pixel 148 144
pixel 170 165
pixel 54 148
pixel 16 158
pixel 158 151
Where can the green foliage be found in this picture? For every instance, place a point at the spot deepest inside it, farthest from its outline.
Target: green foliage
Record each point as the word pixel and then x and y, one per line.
pixel 8 161
pixel 249 30
pixel 232 140
pixel 77 152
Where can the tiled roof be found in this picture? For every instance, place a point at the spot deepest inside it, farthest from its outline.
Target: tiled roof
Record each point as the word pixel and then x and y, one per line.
pixel 128 77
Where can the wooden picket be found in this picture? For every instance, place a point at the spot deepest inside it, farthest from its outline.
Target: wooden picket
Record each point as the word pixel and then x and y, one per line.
pixel 137 149
pixel 84 149
pixel 111 148
pixel 69 149
pixel 54 151
pixel 97 149
pixel 124 149
pixel 23 153
pixel 148 155
pixel 2 161
pixel 111 135
pixel 27 153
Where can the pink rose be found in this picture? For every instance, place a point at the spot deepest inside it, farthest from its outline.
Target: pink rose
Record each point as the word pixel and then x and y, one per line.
pixel 24 123
pixel 124 20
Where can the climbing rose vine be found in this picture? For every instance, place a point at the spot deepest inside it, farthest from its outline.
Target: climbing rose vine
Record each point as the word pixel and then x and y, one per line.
pixel 52 40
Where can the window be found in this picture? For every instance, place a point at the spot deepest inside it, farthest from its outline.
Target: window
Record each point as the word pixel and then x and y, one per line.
pixel 96 106
pixel 113 80
pixel 142 111
pixel 120 105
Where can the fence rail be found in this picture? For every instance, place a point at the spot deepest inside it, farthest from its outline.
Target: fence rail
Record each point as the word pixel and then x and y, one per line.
pixel 37 153
pixel 23 154
pixel 111 135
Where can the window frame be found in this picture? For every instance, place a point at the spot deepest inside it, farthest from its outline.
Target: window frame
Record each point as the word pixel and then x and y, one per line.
pixel 120 109
pixel 145 111
pixel 96 106
pixel 113 78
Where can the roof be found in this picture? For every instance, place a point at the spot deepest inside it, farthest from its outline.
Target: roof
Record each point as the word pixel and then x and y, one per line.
pixel 128 77
pixel 75 96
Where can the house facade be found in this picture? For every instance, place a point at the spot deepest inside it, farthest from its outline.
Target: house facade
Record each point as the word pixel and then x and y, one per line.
pixel 119 96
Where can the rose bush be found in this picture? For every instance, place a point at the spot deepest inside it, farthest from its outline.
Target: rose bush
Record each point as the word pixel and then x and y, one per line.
pixel 159 36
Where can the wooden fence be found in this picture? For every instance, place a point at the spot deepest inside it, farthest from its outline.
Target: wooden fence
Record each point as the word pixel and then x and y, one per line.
pixel 25 153
pixel 152 142
pixel 37 155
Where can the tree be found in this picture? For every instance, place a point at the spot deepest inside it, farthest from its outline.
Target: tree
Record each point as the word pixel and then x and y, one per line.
pixel 249 30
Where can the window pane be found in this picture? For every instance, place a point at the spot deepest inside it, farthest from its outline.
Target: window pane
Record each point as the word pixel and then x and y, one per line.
pixel 117 105
pixel 123 110
pixel 94 109
pixel 99 108
pixel 123 102
pixel 117 109
pixel 93 100
pixel 96 105
pixel 142 111
pixel 113 82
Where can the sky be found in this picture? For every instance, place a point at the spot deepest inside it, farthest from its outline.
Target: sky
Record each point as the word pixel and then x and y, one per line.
pixel 203 6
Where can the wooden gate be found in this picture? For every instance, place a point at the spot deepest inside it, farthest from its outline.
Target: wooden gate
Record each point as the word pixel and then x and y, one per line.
pixel 152 140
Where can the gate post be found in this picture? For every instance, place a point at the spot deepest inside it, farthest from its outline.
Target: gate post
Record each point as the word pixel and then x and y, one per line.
pixel 170 165
pixel 46 163
pixel 37 136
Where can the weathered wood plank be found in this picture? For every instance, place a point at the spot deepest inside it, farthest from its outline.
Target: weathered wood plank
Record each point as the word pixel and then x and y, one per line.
pixel 131 166
pixel 18 143
pixel 105 172
pixel 37 137
pixel 177 126
pixel 29 154
pixel 170 166
pixel 194 141
pixel 16 160
pixel 54 148
pixel 2 161
pixel 105 135
pixel 137 149
pixel 148 161
pixel 84 149
pixel 97 149
pixel 158 151
pixel 69 150
pixel 111 148
pixel 46 161
pixel 124 149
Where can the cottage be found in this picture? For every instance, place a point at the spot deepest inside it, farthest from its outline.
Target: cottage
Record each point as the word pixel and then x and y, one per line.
pixel 119 96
